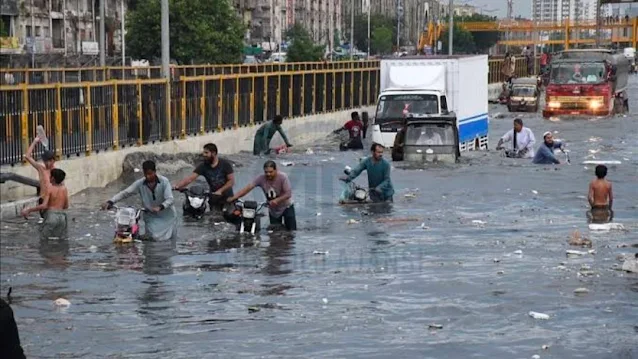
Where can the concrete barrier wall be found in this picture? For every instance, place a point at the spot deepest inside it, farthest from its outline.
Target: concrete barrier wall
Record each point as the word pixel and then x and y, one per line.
pixel 97 170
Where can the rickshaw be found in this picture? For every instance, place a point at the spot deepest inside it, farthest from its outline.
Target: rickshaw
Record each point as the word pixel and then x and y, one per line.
pixel 524 95
pixel 431 138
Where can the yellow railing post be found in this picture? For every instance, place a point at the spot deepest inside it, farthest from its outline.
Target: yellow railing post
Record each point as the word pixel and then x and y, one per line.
pixel 370 97
pixel 634 28
pixel 360 87
pixel 140 140
pixel 252 101
pixel 182 133
pixel 220 108
pixel 202 109
pixel 290 98
pixel 266 84
pixel 167 109
pixel 302 110
pixel 343 90
pixel 334 93
pixel 278 111
pixel 24 119
pixel 58 122
pixel 236 103
pixel 116 118
pixel 88 126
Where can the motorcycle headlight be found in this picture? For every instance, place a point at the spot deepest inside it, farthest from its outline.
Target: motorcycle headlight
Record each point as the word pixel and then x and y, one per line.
pixel 249 213
pixel 195 202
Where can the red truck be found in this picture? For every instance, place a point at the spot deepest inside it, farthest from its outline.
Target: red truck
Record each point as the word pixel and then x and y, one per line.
pixel 587 82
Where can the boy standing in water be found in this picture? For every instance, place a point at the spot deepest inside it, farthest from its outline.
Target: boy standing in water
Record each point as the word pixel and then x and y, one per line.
pixel 53 205
pixel 44 169
pixel 601 196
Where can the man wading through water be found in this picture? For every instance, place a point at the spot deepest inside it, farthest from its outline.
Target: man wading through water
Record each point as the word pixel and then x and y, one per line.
pixel 218 172
pixel 53 206
pixel 601 197
pixel 523 141
pixel 265 133
pixel 44 169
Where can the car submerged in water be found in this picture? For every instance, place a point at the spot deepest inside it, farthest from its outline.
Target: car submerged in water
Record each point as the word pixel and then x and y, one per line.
pixel 427 139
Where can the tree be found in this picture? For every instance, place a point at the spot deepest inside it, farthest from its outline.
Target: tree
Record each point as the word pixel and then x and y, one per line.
pixel 463 43
pixel 201 31
pixel 376 21
pixel 381 42
pixel 302 48
pixel 483 40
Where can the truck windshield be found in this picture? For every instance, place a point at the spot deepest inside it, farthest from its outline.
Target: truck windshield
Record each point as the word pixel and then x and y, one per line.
pixel 573 73
pixel 393 107
pixel 429 135
pixel 523 91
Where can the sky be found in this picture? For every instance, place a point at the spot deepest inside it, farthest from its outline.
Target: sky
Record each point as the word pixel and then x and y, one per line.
pixel 521 7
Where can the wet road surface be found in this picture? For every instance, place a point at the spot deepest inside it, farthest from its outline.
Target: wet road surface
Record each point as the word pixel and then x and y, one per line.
pixel 444 253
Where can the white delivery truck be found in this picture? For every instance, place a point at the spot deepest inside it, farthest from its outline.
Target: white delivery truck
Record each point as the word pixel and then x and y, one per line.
pixel 434 85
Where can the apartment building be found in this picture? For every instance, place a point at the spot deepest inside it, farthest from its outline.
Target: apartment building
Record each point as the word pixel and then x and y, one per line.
pixel 563 10
pixel 268 20
pixel 59 26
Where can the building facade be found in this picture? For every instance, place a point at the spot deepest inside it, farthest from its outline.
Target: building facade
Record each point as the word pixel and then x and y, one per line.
pixel 563 10
pixel 59 26
pixel 268 20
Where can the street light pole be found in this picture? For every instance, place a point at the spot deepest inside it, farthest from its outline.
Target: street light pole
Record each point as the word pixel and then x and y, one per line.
pixel 450 27
pixel 351 30
pixel 597 23
pixel 102 35
pixel 122 33
pixel 165 42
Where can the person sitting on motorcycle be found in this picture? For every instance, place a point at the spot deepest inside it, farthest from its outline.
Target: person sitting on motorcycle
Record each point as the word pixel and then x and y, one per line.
pixel 157 198
pixel 219 175
pixel 265 133
pixel 278 192
pixel 522 138
pixel 354 128
pixel 381 189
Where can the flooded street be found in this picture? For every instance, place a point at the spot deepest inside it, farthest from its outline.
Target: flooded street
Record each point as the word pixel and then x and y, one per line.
pixel 434 275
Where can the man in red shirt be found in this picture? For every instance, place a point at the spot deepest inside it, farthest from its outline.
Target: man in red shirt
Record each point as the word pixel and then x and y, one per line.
pixel 354 128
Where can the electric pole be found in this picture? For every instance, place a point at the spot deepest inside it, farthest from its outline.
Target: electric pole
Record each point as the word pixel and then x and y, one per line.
pixel 450 27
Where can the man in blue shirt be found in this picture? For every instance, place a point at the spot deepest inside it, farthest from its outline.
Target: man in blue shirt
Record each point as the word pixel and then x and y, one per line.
pixel 545 154
pixel 378 169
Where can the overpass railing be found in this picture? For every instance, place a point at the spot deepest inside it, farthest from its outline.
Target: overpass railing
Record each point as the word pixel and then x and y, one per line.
pixel 86 117
pixel 96 74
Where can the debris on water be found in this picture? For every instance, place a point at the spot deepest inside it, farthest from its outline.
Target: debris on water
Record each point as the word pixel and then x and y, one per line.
pixel 591 251
pixel 545 347
pixel 61 302
pixel 435 326
pixel 496 260
pixel 631 265
pixel 325 253
pixel 536 315
pixel 606 227
pixel 93 249
pixel 318 214
pixel 534 191
pixel 478 222
pixel 423 226
pixel 500 272
pixel 325 300
pixel 518 252
pixel 594 151
pixel 331 158
pixel 88 235
pixel 136 170
pixel 577 240
pixel 579 291
pixel 253 309
pixel 309 151
pixel 199 272
pixel 410 195
pixel 536 356
pixel 352 221
pixel 572 253
pixel 287 163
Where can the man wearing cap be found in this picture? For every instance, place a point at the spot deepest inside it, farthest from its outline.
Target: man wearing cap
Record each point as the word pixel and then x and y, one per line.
pixel 545 154
pixel 44 169
pixel 522 139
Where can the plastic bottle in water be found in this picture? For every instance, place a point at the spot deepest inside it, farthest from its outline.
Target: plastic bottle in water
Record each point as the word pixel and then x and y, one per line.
pixel 42 136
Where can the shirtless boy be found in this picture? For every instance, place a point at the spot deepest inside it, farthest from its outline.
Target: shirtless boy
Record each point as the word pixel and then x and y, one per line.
pixel 601 196
pixel 54 204
pixel 44 169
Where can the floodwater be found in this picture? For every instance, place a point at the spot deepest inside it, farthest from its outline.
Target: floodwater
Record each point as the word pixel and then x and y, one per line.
pixel 443 253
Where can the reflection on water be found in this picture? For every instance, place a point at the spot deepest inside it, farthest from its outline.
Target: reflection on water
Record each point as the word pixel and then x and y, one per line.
pixel 353 281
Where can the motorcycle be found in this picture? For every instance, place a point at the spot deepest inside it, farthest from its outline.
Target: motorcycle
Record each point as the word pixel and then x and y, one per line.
pixel 195 203
pixel 126 224
pixel 353 193
pixel 248 216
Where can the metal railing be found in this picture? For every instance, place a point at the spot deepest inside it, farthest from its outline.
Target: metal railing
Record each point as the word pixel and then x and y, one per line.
pixel 86 117
pixel 520 69
pixel 10 76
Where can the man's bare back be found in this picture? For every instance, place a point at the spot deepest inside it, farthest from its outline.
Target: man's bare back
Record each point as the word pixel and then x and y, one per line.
pixel 600 193
pixel 58 197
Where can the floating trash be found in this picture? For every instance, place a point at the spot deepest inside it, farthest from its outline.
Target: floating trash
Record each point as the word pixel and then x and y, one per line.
pixel 534 191
pixel 309 151
pixel 435 326
pixel 518 252
pixel 320 252
pixel 287 163
pixel 573 253
pixel 61 302
pixel 606 227
pixel 597 162
pixel 352 221
pixel 325 300
pixel 580 291
pixel 537 315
